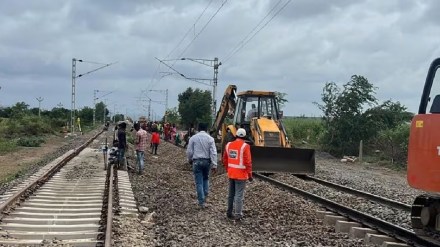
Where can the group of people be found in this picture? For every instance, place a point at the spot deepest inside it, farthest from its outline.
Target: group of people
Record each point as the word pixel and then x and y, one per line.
pixel 166 130
pixel 202 155
pixel 140 140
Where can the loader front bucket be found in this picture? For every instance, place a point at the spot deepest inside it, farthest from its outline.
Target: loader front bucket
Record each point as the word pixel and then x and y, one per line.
pixel 287 160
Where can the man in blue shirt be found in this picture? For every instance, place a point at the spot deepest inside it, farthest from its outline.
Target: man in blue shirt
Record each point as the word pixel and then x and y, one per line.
pixel 202 154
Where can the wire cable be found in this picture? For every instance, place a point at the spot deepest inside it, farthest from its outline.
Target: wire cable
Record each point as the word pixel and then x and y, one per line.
pixel 201 30
pixel 85 61
pixel 284 6
pixel 256 26
pixel 189 30
pixel 150 85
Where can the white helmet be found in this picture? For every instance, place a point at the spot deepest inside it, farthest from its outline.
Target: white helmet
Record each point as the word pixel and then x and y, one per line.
pixel 241 132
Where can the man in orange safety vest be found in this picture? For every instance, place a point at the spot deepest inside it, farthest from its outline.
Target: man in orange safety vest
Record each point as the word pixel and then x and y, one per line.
pixel 238 164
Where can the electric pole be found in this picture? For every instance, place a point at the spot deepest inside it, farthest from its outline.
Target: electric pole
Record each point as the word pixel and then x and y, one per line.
pixel 214 89
pixel 39 105
pixel 104 111
pixel 74 76
pixel 73 107
pixel 149 109
pixel 94 104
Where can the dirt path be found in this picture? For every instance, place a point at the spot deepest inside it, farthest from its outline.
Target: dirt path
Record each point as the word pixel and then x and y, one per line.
pixel 12 163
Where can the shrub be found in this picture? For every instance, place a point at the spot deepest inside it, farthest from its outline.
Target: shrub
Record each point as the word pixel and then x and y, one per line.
pixel 25 126
pixel 7 146
pixel 31 141
pixel 393 144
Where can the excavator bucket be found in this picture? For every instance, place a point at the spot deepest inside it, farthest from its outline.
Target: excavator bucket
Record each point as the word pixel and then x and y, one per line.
pixel 287 160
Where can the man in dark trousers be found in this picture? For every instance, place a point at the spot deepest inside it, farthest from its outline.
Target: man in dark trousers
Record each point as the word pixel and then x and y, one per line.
pixel 202 154
pixel 122 145
pixel 238 164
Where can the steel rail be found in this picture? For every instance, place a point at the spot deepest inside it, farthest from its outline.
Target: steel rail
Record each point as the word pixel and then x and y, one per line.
pixel 108 230
pixel 11 200
pixel 395 231
pixel 369 196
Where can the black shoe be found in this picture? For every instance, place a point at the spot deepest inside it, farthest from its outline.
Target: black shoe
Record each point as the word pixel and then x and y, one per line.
pixel 238 218
pixel 230 216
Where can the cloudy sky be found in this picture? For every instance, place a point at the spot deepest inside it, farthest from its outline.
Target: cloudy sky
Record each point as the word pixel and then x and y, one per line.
pixel 291 46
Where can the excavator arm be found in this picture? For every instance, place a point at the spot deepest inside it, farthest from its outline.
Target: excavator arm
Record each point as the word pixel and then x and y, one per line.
pixel 227 105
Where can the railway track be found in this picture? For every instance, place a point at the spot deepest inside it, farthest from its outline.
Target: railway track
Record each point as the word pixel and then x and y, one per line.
pixel 396 231
pixel 68 202
pixel 366 195
pixel 385 227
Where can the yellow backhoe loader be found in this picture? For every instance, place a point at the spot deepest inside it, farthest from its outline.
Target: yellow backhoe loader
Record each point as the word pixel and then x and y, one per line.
pixel 257 112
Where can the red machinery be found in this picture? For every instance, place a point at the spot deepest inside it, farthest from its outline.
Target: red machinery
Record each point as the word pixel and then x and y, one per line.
pixel 424 156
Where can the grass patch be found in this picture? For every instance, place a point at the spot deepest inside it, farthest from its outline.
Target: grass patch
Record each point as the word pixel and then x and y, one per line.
pixel 7 146
pixel 16 172
pixel 32 141
pixel 381 161
pixel 304 132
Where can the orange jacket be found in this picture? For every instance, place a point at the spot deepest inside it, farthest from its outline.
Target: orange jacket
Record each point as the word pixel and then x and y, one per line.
pixel 237 160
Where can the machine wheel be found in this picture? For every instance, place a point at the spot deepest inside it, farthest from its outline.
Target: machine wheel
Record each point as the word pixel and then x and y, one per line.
pixel 424 213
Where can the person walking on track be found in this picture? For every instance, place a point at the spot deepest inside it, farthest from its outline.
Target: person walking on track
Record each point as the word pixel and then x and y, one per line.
pixel 238 164
pixel 122 145
pixel 141 145
pixel 202 154
pixel 155 140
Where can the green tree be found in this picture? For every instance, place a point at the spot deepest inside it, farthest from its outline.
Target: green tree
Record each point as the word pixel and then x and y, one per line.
pixel 280 98
pixel 19 109
pixel 352 114
pixel 34 111
pixel 343 114
pixel 86 116
pixel 393 144
pixel 59 116
pixel 5 112
pixel 195 106
pixel 388 115
pixel 100 108
pixel 118 117
pixel 172 115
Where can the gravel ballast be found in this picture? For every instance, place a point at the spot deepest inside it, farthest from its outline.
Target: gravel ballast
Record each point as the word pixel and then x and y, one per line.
pixel 272 217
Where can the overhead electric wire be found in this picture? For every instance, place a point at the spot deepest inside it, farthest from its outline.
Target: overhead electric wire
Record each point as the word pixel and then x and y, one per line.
pixel 85 61
pixel 179 43
pixel 91 71
pixel 201 30
pixel 258 30
pixel 189 30
pixel 256 26
pixel 198 80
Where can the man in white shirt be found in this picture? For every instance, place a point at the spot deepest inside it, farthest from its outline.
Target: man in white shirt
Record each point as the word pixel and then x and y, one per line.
pixel 202 154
